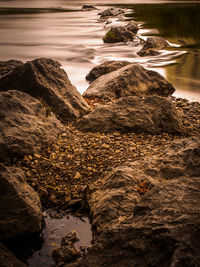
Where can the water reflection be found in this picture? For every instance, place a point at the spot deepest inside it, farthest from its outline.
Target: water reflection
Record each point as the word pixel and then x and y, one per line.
pixel 59 30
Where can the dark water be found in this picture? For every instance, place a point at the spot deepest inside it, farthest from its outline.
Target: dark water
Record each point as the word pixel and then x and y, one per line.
pixel 59 30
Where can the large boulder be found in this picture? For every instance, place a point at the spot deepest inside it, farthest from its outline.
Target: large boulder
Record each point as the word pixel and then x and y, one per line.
pixel 153 114
pixel 121 33
pixel 44 79
pixel 9 65
pixel 140 218
pixel 26 126
pixel 104 68
pixel 20 207
pixel 152 46
pixel 7 259
pixel 132 79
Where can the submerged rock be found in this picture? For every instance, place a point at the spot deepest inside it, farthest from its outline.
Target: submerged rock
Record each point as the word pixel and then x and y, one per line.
pixel 44 79
pixel 152 45
pixel 67 252
pixel 88 8
pixel 25 125
pixel 129 80
pixel 7 259
pixel 111 12
pixel 152 114
pixel 121 33
pixel 7 66
pixel 104 68
pixel 20 207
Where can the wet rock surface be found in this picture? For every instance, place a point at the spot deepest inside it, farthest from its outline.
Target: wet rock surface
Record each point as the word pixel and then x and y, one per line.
pixel 25 125
pixel 67 252
pixel 121 33
pixel 152 46
pixel 104 68
pixel 9 65
pixel 111 12
pixel 44 79
pixel 7 259
pixel 132 79
pixel 152 114
pixel 20 207
pixel 88 8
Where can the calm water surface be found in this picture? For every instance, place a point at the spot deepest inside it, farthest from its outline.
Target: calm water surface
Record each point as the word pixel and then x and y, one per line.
pixel 59 30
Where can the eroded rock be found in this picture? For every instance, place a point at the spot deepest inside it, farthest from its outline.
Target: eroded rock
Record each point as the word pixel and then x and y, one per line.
pixel 20 207
pixel 88 8
pixel 152 46
pixel 9 65
pixel 104 68
pixel 152 114
pixel 132 79
pixel 44 79
pixel 25 125
pixel 111 12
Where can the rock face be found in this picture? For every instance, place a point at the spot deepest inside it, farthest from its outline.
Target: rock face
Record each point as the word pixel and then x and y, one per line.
pixel 21 211
pixel 121 33
pixel 129 80
pixel 152 114
pixel 7 259
pixel 7 66
pixel 152 45
pixel 44 79
pixel 111 12
pixel 67 252
pixel 25 125
pixel 105 68
pixel 139 219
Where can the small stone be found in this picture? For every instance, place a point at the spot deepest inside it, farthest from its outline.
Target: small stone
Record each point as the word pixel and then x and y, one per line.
pixel 77 175
pixel 105 146
pixel 37 156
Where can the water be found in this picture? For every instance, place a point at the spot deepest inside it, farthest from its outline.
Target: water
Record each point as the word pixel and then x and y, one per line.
pixel 53 232
pixel 59 30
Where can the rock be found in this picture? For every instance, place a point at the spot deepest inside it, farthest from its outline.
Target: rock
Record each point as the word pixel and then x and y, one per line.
pixel 181 159
pixel 111 12
pixel 67 252
pixel 104 68
pixel 132 79
pixel 7 66
pixel 88 8
pixel 121 33
pixel 153 114
pixel 20 207
pixel 7 259
pixel 162 231
pixel 139 219
pixel 25 125
pixel 152 45
pixel 44 79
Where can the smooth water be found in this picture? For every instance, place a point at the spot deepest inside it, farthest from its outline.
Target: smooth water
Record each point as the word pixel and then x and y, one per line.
pixel 59 30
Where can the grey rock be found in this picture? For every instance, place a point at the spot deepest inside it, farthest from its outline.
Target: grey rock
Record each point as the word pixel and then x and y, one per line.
pixel 25 125
pixel 153 114
pixel 45 80
pixel 121 33
pixel 104 68
pixel 152 45
pixel 132 79
pixel 9 65
pixel 7 259
pixel 20 207
pixel 67 252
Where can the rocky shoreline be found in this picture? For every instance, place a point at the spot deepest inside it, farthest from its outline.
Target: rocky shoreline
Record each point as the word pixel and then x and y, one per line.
pixel 126 154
